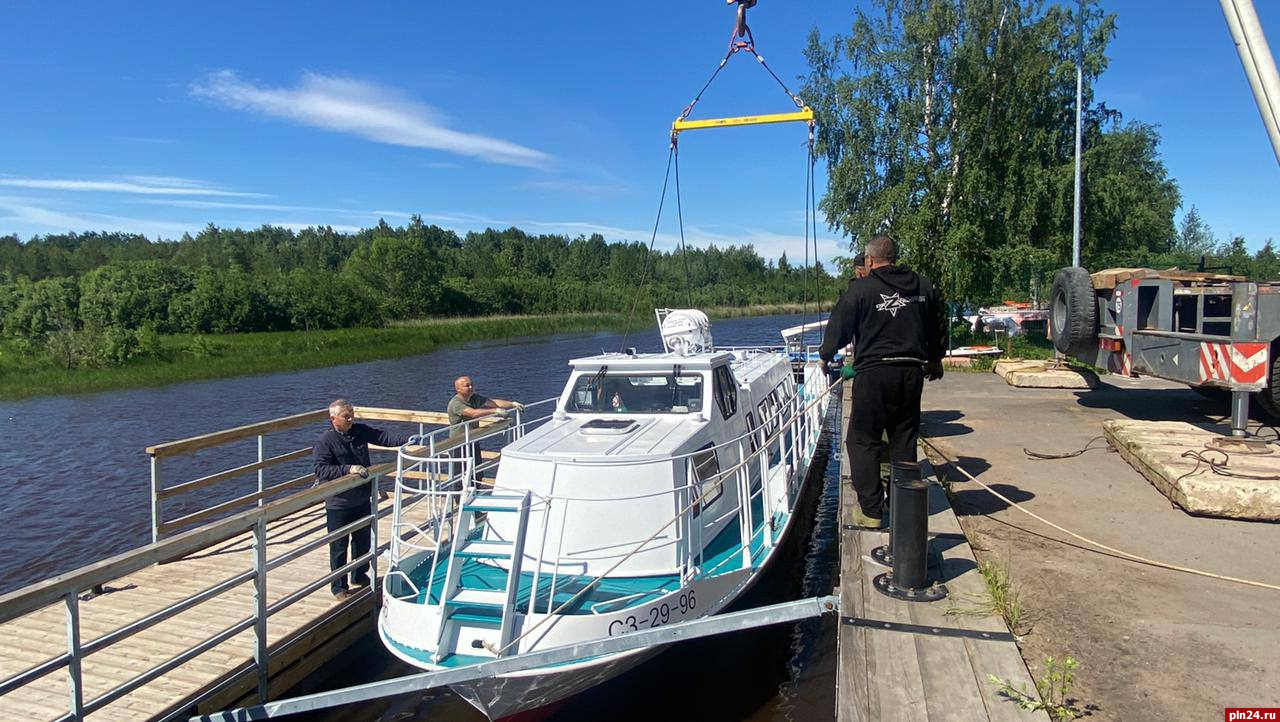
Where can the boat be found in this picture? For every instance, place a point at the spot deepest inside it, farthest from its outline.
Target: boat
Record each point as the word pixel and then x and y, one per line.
pixel 657 488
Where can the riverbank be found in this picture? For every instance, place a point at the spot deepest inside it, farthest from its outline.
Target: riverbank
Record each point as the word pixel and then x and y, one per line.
pixel 185 357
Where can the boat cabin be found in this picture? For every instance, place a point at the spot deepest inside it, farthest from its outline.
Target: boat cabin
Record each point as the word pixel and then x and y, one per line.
pixel 629 432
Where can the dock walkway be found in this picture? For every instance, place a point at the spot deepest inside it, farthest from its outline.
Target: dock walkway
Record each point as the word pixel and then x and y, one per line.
pixel 42 636
pixel 931 672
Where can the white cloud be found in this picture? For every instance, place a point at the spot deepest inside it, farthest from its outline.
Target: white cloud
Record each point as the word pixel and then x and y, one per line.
pixel 142 185
pixel 19 211
pixel 271 207
pixel 295 227
pixel 368 111
pixel 141 139
pixel 768 244
pixel 574 188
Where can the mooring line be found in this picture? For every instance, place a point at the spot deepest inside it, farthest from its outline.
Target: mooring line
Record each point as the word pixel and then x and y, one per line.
pixel 1127 555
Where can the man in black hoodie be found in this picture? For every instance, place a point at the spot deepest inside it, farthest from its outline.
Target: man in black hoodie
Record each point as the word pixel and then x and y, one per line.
pixel 344 449
pixel 900 328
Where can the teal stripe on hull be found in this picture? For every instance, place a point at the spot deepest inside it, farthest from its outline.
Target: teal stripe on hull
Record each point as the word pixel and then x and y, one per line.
pixel 721 556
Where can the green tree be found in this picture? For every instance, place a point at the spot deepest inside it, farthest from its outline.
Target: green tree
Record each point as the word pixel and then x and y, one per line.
pixel 41 308
pixel 950 125
pixel 1194 235
pixel 128 295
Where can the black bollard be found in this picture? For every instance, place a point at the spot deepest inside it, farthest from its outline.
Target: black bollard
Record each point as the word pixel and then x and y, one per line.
pixel 883 554
pixel 909 538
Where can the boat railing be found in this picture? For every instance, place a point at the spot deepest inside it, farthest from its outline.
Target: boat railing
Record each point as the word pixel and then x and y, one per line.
pixel 807 410
pixel 437 469
pixel 796 427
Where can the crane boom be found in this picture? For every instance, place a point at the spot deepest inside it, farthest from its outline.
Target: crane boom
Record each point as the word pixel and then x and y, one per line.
pixel 1259 65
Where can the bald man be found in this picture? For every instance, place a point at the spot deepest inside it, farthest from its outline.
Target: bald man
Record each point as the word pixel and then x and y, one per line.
pixel 900 327
pixel 467 405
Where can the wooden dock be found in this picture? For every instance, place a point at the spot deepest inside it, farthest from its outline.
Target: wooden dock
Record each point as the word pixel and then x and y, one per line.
pixel 913 660
pixel 178 626
pixel 227 670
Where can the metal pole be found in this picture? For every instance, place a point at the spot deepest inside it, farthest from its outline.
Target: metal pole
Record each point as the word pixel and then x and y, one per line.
pixel 260 657
pixel 783 613
pixel 373 537
pixel 262 478
pixel 1259 65
pixel 1075 218
pixel 75 681
pixel 1239 413
pixel 155 499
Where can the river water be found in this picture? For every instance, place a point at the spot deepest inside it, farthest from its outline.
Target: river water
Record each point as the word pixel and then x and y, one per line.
pixel 79 486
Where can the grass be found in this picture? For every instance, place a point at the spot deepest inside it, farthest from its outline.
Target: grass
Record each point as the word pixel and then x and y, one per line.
pixel 1053 688
pixel 1003 597
pixel 191 358
pixel 184 357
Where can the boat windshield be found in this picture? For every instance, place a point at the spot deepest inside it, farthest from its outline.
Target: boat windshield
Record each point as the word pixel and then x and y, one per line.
pixel 636 394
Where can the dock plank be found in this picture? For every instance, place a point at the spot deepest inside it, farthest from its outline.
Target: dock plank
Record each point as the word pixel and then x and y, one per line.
pixel 894 675
pixel 41 635
pixel 852 677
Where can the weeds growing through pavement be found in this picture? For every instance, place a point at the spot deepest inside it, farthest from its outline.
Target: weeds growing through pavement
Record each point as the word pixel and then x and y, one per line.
pixel 1054 688
pixel 1003 597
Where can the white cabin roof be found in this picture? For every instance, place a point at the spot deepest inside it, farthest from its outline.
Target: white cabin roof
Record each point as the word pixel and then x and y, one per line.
pixel 651 436
pixel 651 361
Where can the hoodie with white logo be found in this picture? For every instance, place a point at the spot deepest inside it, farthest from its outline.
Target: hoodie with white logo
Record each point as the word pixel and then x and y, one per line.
pixel 896 316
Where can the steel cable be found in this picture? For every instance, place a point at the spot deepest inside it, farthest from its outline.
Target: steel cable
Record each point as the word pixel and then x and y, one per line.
pixel 644 266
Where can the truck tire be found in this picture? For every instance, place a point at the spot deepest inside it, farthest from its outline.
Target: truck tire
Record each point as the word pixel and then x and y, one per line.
pixel 1266 403
pixel 1073 312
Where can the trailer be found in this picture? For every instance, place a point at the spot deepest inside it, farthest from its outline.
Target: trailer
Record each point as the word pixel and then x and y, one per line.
pixel 1213 332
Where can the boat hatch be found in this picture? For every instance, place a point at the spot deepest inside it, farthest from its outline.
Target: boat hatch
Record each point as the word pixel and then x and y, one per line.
pixel 609 427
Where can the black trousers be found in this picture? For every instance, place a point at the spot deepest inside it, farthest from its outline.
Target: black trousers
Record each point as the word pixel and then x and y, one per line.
pixel 886 399
pixel 359 540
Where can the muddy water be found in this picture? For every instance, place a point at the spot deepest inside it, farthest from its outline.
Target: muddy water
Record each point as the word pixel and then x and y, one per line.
pixel 78 491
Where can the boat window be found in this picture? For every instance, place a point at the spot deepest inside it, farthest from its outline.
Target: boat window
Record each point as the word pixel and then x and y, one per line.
pixel 726 392
pixel 753 428
pixel 647 393
pixel 706 472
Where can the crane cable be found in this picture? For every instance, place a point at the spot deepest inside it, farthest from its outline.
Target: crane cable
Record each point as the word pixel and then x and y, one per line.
pixel 644 265
pixel 741 30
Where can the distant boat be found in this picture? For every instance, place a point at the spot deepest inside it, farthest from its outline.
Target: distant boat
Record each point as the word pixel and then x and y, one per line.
pixel 655 489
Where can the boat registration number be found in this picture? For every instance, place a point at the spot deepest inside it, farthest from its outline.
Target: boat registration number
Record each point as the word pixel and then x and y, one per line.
pixel 655 616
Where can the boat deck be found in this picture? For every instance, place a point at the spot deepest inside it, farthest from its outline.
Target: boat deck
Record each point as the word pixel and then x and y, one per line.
pixel 723 555
pixel 920 661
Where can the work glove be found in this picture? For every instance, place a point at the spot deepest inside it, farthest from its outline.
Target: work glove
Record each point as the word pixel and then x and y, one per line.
pixel 517 406
pixel 933 370
pixel 357 469
pixel 501 413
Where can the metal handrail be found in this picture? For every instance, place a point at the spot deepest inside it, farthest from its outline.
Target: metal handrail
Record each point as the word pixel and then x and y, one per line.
pixel 161 454
pixel 68 587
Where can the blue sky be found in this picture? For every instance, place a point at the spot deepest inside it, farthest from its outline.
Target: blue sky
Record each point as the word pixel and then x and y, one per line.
pixel 553 117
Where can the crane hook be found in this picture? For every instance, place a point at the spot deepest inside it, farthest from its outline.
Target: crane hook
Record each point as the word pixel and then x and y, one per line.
pixel 740 29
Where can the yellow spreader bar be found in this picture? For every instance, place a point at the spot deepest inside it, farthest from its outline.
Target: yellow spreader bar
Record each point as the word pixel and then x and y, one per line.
pixel 805 114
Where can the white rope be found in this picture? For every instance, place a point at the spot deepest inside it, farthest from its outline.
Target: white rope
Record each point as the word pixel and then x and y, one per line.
pixel 1127 555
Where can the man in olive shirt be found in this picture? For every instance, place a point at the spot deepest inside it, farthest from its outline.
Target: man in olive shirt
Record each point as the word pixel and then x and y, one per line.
pixel 467 405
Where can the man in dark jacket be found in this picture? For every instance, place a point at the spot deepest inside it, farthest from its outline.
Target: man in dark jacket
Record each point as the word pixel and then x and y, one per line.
pixel 342 450
pixel 900 328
